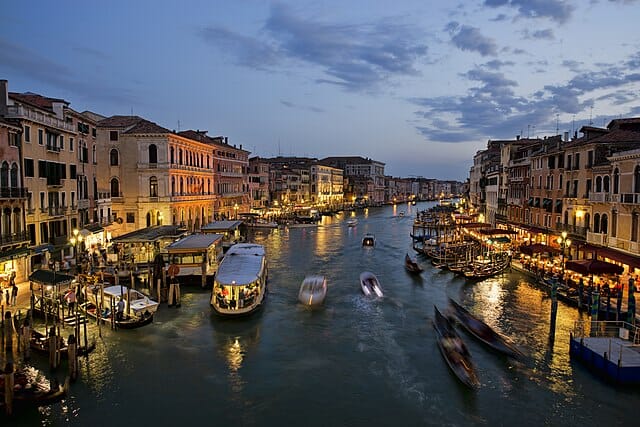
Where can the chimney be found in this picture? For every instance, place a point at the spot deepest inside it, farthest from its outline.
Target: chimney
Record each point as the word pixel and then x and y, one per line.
pixel 517 137
pixel 226 140
pixel 566 136
pixel 4 97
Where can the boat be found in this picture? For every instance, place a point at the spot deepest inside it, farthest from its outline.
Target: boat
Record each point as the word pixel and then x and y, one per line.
pixel 313 290
pixel 370 284
pixel 260 223
pixel 368 240
pixel 352 222
pixel 40 343
pixel 454 351
pixel 411 264
pixel 240 286
pixel 483 332
pixel 138 308
pixel 32 388
pixel 487 268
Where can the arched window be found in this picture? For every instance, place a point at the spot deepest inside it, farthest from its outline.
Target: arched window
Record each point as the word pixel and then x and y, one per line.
pixel 616 181
pixel 636 179
pixel 614 223
pixel 596 223
pixel 604 224
pixel 172 154
pixel 153 153
pixel 598 184
pixel 153 187
pixel 4 175
pixel 587 221
pixel 115 187
pixel 114 157
pixel 179 156
pixel 634 227
pixel 14 176
pixel 605 184
pixel 173 185
pixel 181 186
pixel 207 161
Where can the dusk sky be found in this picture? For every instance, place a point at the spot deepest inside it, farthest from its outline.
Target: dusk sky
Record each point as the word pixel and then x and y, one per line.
pixel 419 85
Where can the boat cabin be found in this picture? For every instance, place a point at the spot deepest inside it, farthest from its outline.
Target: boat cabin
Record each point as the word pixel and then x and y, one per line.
pixel 196 257
pixel 369 240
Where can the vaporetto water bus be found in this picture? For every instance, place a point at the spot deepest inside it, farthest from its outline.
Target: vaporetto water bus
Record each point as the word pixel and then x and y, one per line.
pixel 240 284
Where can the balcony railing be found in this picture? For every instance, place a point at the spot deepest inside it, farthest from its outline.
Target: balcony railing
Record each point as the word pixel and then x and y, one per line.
pixel 13 193
pixel 56 210
pixel 6 239
pixel 599 197
pixel 18 111
pixel 626 198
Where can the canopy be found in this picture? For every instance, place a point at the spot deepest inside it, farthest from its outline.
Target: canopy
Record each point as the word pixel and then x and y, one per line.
pixel 538 248
pixel 48 277
pixel 593 266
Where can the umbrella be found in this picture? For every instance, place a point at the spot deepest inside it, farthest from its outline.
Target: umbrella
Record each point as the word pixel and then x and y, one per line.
pixel 593 266
pixel 631 304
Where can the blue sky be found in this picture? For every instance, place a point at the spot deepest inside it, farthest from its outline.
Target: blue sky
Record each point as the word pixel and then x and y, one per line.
pixel 419 85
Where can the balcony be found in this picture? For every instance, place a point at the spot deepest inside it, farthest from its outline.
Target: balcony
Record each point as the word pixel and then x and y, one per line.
pixel 56 210
pixel 597 238
pixel 572 230
pixel 626 198
pixel 7 239
pixel 20 112
pixel 13 193
pixel 599 197
pixel 53 148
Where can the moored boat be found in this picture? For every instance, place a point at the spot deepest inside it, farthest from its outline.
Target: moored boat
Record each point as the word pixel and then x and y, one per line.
pixel 483 332
pixel 370 284
pixel 240 286
pixel 40 343
pixel 313 290
pixel 137 308
pixel 32 388
pixel 454 350
pixel 411 264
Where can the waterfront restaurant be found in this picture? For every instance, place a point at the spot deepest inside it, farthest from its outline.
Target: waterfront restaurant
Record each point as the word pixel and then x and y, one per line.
pixel 197 257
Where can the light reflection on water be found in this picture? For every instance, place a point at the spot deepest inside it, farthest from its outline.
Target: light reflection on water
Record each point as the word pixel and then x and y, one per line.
pixel 373 361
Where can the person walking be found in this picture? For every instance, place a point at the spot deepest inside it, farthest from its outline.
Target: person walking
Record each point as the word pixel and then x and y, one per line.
pixel 71 300
pixel 14 294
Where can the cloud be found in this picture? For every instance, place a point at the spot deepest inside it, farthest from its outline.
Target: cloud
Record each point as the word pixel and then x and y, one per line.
pixel 496 64
pixel 546 34
pixel 355 57
pixel 471 39
pixel 16 59
pixel 556 10
pixel 302 107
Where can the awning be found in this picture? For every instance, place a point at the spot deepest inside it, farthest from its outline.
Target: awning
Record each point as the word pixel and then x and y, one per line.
pixel 628 259
pixel 13 253
pixel 593 266
pixel 47 247
pixel 537 248
pixel 497 231
pixel 48 277
pixel 475 225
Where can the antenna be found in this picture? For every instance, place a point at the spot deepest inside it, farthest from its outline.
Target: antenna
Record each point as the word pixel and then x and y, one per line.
pixel 591 116
pixel 557 129
pixel 178 125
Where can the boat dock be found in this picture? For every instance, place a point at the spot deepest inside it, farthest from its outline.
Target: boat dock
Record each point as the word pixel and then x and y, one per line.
pixel 610 349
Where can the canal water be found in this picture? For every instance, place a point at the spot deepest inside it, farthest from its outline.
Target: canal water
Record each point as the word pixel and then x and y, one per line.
pixel 354 362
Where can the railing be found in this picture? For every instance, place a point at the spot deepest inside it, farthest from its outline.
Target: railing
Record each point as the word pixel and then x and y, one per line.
pixel 13 193
pixel 18 111
pixel 599 197
pixel 626 198
pixel 56 210
pixel 597 238
pixel 14 238
pixel 607 329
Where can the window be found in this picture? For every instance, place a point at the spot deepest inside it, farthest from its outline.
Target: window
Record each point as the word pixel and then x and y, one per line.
pixel 569 162
pixel 14 176
pixel 115 187
pixel 634 227
pixel 28 168
pixel 616 181
pixel 171 155
pixel 40 137
pixel 590 158
pixel 42 199
pixel 27 133
pixel 113 135
pixel 113 157
pixel 4 175
pixel 153 187
pixel 598 184
pixel 94 158
pixel 636 179
pixel 577 161
pixel 72 171
pixel 131 217
pixel 62 142
pixel 153 153
pixel 71 144
pixel 93 132
pixel 605 184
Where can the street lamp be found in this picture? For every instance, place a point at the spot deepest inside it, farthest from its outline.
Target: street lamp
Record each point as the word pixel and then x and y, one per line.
pixel 76 242
pixel 235 210
pixel 564 243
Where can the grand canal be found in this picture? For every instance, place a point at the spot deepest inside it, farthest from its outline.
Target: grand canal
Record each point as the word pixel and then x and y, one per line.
pixel 355 362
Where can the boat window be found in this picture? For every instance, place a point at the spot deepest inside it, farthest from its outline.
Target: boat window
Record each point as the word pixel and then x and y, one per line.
pixel 188 258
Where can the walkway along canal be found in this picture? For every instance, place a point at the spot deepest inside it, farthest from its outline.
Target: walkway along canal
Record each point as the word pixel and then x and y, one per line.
pixel 354 362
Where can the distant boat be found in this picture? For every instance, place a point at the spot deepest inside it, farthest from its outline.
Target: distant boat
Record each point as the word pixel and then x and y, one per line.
pixel 313 290
pixel 411 264
pixel 352 222
pixel 369 240
pixel 370 284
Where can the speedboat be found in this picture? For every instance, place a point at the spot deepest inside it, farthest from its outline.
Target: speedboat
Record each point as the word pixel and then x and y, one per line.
pixel 369 240
pixel 352 222
pixel 370 284
pixel 138 308
pixel 313 290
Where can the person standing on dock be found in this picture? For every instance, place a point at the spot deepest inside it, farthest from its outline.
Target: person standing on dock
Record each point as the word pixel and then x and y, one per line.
pixel 71 300
pixel 14 294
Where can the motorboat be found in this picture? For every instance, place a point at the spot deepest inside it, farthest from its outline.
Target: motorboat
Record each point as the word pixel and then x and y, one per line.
pixel 313 290
pixel 483 332
pixel 352 222
pixel 411 264
pixel 40 343
pixel 102 302
pixel 370 284
pixel 454 350
pixel 369 240
pixel 240 286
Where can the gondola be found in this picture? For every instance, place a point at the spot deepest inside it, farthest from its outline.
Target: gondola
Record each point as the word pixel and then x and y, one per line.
pixel 454 351
pixel 483 332
pixel 412 265
pixel 40 343
pixel 31 388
